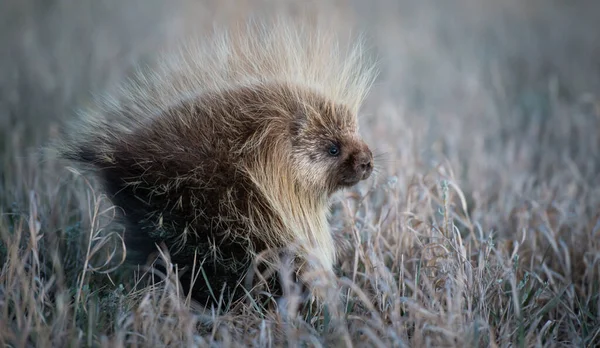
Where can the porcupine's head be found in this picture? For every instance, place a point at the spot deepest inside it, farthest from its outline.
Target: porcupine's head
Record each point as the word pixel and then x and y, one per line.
pixel 327 150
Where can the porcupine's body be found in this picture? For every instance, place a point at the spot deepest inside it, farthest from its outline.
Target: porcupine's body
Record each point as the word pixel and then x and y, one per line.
pixel 232 147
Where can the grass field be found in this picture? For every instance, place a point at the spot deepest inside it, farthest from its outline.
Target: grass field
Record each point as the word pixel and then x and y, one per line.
pixel 482 227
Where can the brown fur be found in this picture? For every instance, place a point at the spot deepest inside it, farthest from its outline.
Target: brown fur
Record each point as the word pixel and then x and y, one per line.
pixel 224 168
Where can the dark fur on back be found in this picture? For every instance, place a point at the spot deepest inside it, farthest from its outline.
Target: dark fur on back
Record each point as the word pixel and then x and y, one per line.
pixel 139 176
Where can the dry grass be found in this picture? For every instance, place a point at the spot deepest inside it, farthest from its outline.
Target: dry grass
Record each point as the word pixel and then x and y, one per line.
pixel 482 227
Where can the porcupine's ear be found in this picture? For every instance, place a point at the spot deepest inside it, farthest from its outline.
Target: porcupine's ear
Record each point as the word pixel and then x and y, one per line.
pixel 298 122
pixel 296 127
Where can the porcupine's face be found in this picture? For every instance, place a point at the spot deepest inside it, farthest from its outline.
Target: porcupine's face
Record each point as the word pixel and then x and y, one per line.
pixel 327 149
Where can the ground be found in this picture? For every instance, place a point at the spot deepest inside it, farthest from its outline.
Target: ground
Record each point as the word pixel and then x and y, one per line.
pixel 481 227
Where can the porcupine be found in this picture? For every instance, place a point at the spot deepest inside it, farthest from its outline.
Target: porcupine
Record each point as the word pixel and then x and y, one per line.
pixel 231 146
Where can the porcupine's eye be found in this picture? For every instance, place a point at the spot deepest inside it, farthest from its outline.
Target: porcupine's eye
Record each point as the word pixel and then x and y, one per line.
pixel 334 150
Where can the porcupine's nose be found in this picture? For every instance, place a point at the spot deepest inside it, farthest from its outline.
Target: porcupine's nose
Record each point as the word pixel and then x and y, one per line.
pixel 364 164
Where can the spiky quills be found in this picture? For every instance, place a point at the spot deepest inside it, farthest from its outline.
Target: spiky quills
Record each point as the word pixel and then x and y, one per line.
pixel 254 52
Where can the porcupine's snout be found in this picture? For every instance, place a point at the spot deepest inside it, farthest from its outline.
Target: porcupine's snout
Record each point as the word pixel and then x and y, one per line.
pixel 363 164
pixel 358 166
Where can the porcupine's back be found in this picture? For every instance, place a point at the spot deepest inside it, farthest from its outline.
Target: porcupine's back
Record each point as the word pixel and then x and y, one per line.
pixel 182 149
